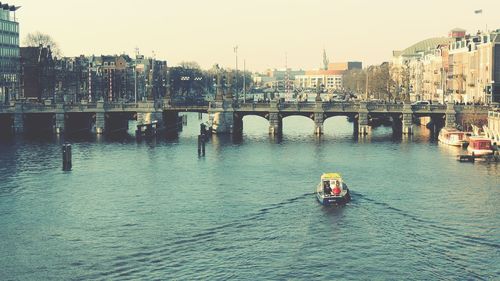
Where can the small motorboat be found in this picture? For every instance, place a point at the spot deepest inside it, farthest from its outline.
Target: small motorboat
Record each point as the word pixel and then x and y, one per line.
pixel 479 146
pixel 332 190
pixel 452 136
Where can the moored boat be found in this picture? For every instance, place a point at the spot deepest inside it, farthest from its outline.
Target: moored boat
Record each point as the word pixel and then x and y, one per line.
pixel 479 146
pixel 332 190
pixel 451 136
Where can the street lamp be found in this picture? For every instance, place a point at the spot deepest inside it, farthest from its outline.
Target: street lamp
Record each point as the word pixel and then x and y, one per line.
pixel 236 78
pixel 186 78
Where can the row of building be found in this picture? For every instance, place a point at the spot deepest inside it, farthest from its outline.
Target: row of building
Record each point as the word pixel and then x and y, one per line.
pixel 461 67
pixel 90 78
pixel 330 76
pixel 33 72
pixel 9 50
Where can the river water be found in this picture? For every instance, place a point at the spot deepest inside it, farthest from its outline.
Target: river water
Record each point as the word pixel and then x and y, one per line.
pixel 154 210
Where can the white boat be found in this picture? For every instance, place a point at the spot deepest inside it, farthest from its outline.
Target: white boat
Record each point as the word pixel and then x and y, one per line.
pixel 479 146
pixel 452 136
pixel 332 190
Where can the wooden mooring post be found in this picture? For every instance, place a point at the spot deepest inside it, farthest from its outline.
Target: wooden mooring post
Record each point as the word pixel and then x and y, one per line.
pixel 201 145
pixel 66 154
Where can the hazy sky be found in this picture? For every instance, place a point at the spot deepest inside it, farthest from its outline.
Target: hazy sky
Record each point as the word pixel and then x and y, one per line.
pixel 206 31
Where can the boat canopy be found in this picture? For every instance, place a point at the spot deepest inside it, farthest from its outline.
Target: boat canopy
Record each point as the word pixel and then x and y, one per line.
pixel 331 176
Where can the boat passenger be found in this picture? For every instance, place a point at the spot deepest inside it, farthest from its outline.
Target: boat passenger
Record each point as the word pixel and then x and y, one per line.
pixel 336 190
pixel 326 188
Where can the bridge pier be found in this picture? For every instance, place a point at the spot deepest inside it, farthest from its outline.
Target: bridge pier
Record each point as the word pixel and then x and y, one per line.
pixel 100 123
pixel 407 120
pixel 450 116
pixel 275 124
pixel 237 124
pixel 59 123
pixel 221 116
pixel 18 123
pixel 318 123
pixel 363 127
pixel 100 118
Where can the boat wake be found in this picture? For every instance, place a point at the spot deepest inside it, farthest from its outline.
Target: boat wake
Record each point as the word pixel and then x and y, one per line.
pixel 159 257
pixel 427 237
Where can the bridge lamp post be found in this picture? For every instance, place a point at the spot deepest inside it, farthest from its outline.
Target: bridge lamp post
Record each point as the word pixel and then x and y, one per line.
pixel 186 78
pixel 198 79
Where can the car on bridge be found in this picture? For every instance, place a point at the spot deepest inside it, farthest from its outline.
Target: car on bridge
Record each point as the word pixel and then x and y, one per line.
pixel 421 102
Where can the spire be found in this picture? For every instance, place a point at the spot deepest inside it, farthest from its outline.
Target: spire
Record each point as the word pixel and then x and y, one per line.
pixel 325 60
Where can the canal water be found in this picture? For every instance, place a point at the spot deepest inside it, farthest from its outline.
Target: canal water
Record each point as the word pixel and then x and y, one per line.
pixel 154 210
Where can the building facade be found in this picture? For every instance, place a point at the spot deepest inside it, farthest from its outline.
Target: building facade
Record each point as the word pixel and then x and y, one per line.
pixel 37 73
pixel 329 79
pixel 9 53
pixel 343 66
pixel 461 68
pixel 474 63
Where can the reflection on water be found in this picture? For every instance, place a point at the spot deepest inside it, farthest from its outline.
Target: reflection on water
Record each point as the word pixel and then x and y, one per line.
pixel 153 209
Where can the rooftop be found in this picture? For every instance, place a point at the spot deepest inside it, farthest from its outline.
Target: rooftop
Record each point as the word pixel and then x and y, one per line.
pixel 425 45
pixel 7 7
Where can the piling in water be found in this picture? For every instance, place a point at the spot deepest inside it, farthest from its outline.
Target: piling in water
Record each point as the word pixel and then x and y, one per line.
pixel 66 153
pixel 201 145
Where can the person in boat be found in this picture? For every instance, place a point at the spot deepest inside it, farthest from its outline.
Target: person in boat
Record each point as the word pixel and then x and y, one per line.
pixel 326 187
pixel 336 190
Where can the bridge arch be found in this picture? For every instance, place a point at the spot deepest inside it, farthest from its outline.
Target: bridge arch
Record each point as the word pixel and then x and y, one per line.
pixel 298 124
pixel 254 124
pixel 340 125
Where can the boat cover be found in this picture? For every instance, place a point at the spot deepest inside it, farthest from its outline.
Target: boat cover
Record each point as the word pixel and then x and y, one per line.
pixel 331 176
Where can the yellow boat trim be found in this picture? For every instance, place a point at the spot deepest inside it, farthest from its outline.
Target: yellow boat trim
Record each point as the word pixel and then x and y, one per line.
pixel 330 176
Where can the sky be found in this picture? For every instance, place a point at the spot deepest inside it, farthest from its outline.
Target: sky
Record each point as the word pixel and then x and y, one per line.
pixel 268 33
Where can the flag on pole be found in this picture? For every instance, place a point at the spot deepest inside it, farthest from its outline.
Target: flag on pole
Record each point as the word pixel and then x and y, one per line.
pixel 478 11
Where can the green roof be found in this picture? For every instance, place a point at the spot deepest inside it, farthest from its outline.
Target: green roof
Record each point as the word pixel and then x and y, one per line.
pixel 425 45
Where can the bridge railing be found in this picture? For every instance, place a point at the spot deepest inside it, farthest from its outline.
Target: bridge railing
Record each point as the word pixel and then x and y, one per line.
pixel 190 104
pixel 38 107
pixel 376 107
pixel 394 107
pixel 471 107
pixel 428 107
pixel 78 107
pixel 341 106
pixel 253 106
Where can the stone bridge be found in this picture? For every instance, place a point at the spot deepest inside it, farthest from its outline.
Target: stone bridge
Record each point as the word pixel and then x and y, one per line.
pixel 226 116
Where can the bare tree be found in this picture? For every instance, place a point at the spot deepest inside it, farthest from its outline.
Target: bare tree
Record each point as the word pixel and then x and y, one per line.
pixel 37 38
pixel 189 65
